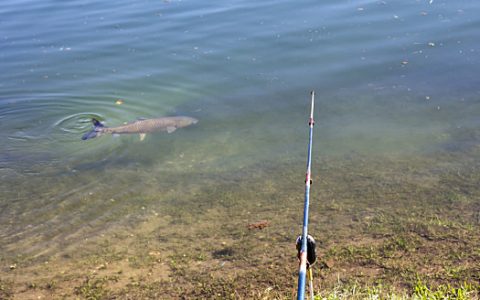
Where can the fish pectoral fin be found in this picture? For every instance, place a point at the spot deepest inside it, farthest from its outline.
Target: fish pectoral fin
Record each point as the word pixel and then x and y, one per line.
pixel 142 136
pixel 171 129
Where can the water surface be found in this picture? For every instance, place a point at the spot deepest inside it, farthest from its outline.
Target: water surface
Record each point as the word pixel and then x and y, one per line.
pixel 392 78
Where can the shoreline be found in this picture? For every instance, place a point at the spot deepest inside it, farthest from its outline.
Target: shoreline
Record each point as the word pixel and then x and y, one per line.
pixel 385 226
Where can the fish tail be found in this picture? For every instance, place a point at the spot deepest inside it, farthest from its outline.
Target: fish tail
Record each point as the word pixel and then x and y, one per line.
pixel 96 131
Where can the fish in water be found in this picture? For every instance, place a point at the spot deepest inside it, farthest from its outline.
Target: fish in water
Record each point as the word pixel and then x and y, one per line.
pixel 141 126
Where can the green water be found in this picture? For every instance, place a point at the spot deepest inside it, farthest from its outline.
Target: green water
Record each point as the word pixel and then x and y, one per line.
pixel 392 78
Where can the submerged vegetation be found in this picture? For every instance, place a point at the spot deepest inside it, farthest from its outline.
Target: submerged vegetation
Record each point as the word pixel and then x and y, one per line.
pixel 386 228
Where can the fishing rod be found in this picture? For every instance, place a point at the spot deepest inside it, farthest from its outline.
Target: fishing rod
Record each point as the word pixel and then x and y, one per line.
pixel 305 243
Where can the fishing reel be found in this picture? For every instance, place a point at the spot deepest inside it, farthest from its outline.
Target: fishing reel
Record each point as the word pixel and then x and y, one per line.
pixel 311 254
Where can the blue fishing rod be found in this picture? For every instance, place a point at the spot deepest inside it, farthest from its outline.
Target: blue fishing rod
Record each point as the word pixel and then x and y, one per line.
pixel 306 243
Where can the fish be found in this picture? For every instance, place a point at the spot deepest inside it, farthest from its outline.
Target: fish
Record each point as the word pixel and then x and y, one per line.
pixel 141 126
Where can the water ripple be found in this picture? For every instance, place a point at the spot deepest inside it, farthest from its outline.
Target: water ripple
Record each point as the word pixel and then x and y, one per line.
pixel 77 123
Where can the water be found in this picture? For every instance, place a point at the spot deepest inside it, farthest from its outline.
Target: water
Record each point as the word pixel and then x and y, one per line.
pixel 392 78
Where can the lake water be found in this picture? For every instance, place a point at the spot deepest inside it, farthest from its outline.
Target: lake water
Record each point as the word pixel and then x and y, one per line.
pixel 392 78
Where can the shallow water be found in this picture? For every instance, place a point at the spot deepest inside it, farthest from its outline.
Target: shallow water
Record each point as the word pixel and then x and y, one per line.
pixel 392 78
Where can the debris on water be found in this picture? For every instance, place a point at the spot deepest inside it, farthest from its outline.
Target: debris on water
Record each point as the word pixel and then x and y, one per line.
pixel 405 62
pixel 427 97
pixel 258 225
pixel 119 102
pixel 431 44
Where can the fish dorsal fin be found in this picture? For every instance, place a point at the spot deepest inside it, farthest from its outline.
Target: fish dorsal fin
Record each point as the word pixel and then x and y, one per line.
pixel 142 136
pixel 171 129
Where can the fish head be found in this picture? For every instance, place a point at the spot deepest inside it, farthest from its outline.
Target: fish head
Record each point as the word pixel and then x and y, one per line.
pixel 186 121
pixel 194 121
